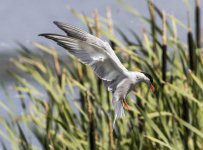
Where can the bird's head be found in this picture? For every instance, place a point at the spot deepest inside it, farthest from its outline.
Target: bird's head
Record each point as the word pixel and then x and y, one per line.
pixel 149 80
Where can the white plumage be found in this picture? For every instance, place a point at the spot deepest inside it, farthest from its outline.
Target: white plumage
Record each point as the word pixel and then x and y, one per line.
pixel 101 58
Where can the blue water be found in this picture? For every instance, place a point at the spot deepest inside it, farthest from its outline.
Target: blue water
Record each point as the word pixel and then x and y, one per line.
pixel 22 20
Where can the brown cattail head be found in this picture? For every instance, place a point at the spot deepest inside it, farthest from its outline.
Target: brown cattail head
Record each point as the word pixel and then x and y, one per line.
pixel 198 23
pixel 191 49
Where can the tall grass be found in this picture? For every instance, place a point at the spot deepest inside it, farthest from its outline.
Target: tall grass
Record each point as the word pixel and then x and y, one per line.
pixel 171 118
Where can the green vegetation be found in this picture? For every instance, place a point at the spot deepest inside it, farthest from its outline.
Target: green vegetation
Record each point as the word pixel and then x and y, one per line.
pixel 171 118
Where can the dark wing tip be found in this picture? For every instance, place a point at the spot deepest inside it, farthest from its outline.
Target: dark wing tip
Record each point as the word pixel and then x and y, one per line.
pixel 47 35
pixel 43 34
pixel 50 36
pixel 55 22
pixel 58 23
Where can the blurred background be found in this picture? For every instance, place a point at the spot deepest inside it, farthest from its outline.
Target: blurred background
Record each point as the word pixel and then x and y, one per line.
pixel 135 26
pixel 23 20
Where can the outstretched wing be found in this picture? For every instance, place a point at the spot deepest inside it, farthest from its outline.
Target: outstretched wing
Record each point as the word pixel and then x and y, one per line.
pixel 92 51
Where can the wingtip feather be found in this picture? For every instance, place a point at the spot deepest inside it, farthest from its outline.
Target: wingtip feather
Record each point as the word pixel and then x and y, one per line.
pixel 56 22
pixel 50 36
pixel 59 24
pixel 46 35
pixel 43 34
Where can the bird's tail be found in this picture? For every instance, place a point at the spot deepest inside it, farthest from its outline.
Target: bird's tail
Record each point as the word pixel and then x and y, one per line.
pixel 118 110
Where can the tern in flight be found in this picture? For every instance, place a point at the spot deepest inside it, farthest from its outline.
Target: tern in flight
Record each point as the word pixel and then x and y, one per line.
pixel 101 58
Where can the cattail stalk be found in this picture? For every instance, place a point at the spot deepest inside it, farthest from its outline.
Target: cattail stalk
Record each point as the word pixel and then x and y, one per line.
pixel 198 23
pixel 194 57
pixel 56 65
pixel 97 24
pixel 153 24
pixel 186 106
pixel 191 49
pixel 109 23
pixel 112 145
pixel 164 47
pixel 88 24
pixel 91 124
pixel 81 70
pixel 185 116
pixel 109 20
pixel 97 32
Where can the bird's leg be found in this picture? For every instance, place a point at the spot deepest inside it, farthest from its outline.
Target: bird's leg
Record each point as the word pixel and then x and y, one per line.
pixel 125 105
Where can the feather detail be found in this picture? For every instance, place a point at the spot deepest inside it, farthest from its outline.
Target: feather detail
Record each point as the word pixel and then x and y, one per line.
pixel 118 111
pixel 92 51
pixel 100 57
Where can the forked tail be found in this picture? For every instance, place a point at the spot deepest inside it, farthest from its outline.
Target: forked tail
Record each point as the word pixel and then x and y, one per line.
pixel 118 110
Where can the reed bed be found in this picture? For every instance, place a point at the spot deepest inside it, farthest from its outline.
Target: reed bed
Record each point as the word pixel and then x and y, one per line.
pixel 171 118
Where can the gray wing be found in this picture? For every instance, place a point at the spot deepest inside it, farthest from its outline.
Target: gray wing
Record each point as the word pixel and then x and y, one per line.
pixel 92 51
